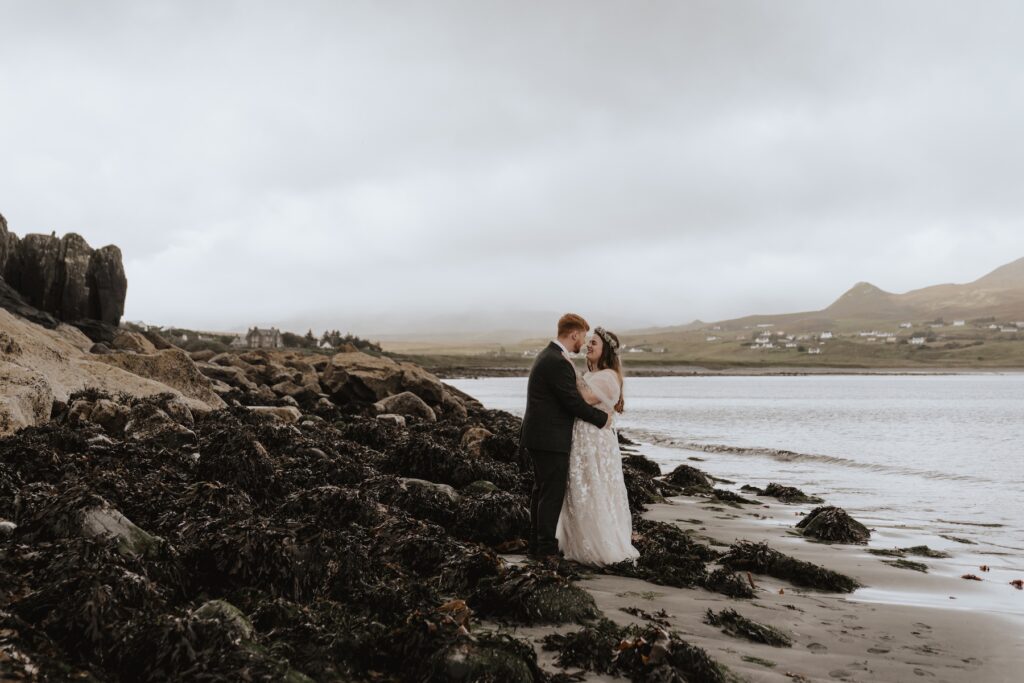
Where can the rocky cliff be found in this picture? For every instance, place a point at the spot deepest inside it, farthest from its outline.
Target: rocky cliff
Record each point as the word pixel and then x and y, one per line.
pixel 49 279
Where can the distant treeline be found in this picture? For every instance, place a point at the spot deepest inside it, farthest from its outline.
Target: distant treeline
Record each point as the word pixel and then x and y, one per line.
pixel 196 340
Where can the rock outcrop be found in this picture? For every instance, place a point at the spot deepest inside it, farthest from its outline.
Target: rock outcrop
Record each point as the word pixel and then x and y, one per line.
pixel 50 279
pixel 39 366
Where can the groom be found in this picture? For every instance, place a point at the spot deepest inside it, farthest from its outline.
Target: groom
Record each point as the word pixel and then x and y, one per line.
pixel 552 403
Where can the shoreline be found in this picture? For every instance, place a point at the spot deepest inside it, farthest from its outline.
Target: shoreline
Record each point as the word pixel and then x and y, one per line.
pixel 877 633
pixel 468 372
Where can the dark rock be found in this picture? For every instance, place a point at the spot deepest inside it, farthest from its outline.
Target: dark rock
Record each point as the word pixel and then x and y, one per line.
pixel 63 279
pixel 100 347
pixel 406 403
pixel 472 438
pixel 833 525
pixel 108 285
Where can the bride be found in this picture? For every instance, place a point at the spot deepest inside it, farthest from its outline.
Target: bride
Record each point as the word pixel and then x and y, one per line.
pixel 595 526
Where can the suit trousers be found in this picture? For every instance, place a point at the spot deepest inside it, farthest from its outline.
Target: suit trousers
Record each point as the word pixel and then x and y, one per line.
pixel 550 475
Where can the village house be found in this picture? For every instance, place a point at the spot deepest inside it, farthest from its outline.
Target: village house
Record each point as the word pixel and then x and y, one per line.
pixel 258 338
pixel 917 341
pixel 814 350
pixel 712 339
pixel 825 335
pixel 959 323
pixel 237 342
pixel 906 326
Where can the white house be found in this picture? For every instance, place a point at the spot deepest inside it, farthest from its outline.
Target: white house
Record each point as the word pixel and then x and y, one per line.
pixel 237 342
pixel 825 335
pixel 711 339
pixel 906 326
pixel 763 325
pixel 890 340
pixel 1007 328
pixel 959 323
pixel 790 345
pixel 324 344
pixel 814 350
pixel 993 326
pixel 917 341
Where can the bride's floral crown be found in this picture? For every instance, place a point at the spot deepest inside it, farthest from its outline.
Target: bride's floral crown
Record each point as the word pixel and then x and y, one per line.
pixel 603 334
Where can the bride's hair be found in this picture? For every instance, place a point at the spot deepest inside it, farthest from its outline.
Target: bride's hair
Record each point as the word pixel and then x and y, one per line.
pixel 609 359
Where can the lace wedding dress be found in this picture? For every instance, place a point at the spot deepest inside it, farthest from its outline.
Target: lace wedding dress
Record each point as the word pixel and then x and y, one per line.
pixel 595 526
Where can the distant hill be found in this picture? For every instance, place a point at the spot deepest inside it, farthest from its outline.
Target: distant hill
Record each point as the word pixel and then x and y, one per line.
pixel 1000 295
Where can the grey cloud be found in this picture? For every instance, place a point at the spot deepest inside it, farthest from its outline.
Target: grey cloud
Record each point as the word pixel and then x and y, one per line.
pixel 373 161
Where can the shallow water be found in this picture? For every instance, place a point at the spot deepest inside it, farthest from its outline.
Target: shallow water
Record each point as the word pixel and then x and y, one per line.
pixel 940 454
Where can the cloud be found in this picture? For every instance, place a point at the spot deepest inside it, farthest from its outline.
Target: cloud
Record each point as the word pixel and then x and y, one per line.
pixel 378 163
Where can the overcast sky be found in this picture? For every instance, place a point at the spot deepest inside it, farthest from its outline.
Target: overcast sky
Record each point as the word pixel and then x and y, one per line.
pixel 374 165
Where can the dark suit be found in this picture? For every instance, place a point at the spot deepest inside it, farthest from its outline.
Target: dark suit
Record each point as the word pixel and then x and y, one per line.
pixel 553 402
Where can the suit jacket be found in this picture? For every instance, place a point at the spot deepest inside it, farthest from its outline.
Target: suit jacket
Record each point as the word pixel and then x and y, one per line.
pixel 553 402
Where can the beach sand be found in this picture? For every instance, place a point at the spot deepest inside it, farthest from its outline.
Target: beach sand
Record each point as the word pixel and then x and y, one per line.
pixel 931 626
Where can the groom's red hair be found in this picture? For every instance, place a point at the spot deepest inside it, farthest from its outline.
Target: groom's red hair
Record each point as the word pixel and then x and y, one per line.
pixel 570 322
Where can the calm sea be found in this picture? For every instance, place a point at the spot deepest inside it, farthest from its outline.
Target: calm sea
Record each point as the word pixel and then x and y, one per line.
pixel 941 455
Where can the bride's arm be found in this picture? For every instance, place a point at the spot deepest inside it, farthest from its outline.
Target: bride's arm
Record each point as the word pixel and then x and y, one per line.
pixel 585 391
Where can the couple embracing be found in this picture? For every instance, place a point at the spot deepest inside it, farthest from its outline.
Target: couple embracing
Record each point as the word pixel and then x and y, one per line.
pixel 579 504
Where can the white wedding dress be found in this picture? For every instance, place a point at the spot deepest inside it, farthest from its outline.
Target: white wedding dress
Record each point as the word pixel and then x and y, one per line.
pixel 595 527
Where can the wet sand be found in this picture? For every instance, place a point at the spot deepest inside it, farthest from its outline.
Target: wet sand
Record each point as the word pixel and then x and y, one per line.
pixel 903 626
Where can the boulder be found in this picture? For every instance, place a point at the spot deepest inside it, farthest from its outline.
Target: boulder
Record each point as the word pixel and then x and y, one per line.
pixel 106 521
pixel 7 528
pixel 111 416
pixel 422 383
pixel 63 278
pixel 472 438
pixel 360 376
pixel 453 406
pixel 203 354
pixel 391 418
pixel 406 403
pixel 73 277
pixel 108 285
pixel 172 367
pixel 833 525
pixel 100 347
pixel 126 340
pixel 230 375
pixel 237 623
pixel 443 490
pixel 149 423
pixel 286 414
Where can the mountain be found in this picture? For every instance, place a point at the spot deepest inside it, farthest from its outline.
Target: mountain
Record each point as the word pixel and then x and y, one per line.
pixel 1000 295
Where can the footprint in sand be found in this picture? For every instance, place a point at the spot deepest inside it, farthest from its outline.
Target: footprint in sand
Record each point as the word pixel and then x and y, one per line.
pixel 817 648
pixel 879 650
pixel 922 672
pixel 841 674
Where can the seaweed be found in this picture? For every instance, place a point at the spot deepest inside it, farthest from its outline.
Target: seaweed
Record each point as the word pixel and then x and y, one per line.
pixel 833 525
pixel 761 559
pixel 738 626
pixel 647 653
pixel 525 596
pixel 690 479
pixel 787 494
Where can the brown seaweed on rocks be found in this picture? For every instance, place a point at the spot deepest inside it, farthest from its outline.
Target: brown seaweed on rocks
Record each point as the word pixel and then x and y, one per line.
pixel 310 531
pixel 787 494
pixel 690 479
pixel 738 626
pixel 643 654
pixel 833 525
pixel 761 559
pixel 671 557
pixel 527 596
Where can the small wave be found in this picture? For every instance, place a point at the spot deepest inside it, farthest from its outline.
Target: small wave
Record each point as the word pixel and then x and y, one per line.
pixel 782 455
pixel 984 524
